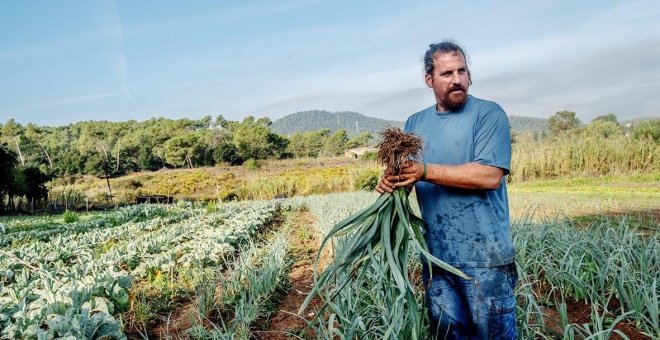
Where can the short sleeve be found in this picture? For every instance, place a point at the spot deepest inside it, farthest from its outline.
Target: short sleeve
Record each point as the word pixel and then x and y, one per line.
pixel 492 143
pixel 408 126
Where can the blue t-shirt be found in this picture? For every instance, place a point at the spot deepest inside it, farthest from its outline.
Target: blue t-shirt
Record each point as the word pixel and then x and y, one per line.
pixel 466 228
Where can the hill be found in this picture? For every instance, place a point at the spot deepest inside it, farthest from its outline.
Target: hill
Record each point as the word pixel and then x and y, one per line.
pixel 524 123
pixel 355 123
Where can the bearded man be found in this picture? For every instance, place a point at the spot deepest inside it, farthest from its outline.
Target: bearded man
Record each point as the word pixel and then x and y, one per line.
pixel 461 190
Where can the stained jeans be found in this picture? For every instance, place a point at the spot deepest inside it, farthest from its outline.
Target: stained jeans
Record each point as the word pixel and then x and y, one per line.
pixel 483 308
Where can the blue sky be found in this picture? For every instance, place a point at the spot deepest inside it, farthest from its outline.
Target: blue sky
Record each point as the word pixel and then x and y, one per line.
pixel 67 61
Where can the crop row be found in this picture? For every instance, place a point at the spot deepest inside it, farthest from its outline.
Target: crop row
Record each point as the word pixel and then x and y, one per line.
pixel 246 288
pixel 83 279
pixel 611 266
pixel 21 231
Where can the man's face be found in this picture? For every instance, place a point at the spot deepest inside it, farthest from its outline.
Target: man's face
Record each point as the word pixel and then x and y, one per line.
pixel 450 81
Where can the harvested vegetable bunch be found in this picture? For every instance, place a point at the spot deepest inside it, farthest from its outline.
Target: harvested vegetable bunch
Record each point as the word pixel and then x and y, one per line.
pixel 381 234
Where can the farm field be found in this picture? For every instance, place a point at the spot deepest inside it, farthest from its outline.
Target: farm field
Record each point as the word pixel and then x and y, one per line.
pixel 588 259
pixel 210 170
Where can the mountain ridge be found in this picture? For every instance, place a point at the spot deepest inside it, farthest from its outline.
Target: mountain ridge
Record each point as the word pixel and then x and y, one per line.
pixel 312 120
pixel 355 123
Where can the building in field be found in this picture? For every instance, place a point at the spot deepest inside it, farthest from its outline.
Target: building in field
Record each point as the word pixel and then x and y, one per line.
pixel 357 152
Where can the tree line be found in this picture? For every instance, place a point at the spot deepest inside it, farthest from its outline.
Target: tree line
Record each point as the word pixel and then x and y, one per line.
pixel 100 147
pixel 31 155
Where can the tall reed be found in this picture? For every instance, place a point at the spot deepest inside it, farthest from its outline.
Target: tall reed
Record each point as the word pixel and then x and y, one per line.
pixel 576 155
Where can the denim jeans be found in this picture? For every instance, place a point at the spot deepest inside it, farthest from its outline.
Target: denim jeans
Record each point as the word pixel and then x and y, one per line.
pixel 483 308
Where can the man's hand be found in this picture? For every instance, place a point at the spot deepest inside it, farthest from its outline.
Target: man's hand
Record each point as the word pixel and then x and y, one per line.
pixel 385 186
pixel 411 172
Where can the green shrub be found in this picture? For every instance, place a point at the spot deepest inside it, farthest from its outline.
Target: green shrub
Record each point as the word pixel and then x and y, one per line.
pixel 70 217
pixel 369 156
pixel 211 207
pixel 228 196
pixel 647 129
pixel 367 180
pixel 252 164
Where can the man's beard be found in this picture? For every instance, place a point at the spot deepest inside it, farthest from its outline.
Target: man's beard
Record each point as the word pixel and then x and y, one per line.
pixel 454 104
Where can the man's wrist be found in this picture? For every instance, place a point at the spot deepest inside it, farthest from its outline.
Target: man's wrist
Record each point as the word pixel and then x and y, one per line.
pixel 424 172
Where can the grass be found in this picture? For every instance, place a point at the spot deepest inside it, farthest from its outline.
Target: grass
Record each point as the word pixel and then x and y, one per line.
pixel 575 155
pixel 291 177
pixel 637 195
pixel 221 183
pixel 647 183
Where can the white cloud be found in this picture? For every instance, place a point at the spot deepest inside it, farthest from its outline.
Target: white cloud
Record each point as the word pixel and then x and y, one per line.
pixel 61 102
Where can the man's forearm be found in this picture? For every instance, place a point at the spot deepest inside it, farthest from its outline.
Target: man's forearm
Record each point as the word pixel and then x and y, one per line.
pixel 473 176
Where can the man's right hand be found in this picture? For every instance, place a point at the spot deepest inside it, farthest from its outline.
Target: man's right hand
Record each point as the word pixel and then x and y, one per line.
pixel 385 186
pixel 411 173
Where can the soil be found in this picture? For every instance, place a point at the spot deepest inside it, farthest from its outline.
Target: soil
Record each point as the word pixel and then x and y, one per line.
pixel 174 325
pixel 286 323
pixel 579 313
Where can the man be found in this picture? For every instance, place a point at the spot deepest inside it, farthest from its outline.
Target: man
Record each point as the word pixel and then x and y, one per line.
pixel 461 190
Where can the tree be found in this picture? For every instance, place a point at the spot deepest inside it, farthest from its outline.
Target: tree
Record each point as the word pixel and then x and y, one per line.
pixel 603 129
pixel 362 139
pixel 610 117
pixel 254 140
pixel 647 129
pixel 563 121
pixel 33 134
pixel 314 140
pixel 12 134
pixel 297 145
pixel 187 150
pixel 34 184
pixel 147 159
pixel 69 162
pixel 226 124
pixel 8 163
pixel 278 144
pixel 336 143
pixel 227 153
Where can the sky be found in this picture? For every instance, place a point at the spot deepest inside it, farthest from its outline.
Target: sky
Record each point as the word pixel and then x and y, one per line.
pixel 67 61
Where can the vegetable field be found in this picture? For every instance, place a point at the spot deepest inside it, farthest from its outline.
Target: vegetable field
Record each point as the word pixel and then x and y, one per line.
pixel 222 271
pixel 94 277
pixel 597 280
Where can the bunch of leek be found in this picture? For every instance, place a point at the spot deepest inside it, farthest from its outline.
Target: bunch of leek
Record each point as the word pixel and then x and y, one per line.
pixel 380 236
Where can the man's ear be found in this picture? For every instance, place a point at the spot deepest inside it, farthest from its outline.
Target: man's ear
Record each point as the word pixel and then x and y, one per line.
pixel 428 80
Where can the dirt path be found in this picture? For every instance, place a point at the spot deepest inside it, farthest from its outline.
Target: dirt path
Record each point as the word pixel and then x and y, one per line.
pixel 286 324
